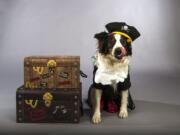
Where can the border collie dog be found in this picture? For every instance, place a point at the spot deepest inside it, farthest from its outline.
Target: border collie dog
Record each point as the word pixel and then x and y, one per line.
pixel 111 79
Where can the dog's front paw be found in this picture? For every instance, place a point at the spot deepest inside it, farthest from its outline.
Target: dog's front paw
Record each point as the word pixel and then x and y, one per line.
pixel 96 118
pixel 123 114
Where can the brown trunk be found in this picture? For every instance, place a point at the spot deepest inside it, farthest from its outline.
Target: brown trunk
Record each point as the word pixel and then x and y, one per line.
pixel 48 105
pixel 52 72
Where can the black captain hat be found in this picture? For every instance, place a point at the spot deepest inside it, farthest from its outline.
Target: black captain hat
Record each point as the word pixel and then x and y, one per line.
pixel 123 29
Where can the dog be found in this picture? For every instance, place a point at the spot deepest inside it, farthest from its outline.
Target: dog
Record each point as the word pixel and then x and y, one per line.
pixel 111 79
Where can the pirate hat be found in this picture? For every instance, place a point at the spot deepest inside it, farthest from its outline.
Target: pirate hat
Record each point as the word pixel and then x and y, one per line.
pixel 123 29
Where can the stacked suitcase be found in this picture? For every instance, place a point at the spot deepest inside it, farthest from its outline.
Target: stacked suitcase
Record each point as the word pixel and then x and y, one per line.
pixel 51 90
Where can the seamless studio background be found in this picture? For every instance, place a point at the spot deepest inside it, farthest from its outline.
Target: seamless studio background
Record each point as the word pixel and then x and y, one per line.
pixel 67 27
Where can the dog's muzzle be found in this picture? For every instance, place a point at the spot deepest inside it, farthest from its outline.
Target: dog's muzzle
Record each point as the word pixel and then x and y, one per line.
pixel 119 52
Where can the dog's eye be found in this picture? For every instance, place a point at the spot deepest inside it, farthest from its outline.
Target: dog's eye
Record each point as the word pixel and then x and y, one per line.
pixel 123 41
pixel 112 40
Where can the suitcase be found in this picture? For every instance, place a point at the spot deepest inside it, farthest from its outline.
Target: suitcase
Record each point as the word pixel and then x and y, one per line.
pixel 60 105
pixel 52 72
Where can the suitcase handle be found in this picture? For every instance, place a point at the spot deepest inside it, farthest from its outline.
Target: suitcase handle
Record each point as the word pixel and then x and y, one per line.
pixel 83 74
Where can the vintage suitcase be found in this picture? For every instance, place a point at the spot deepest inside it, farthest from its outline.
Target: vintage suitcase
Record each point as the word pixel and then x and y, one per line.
pixel 48 105
pixel 52 72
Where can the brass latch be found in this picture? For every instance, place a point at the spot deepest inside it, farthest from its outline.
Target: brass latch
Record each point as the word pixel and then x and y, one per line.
pixel 48 97
pixel 51 64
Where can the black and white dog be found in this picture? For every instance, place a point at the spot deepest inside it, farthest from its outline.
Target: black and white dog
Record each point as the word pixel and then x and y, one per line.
pixel 111 79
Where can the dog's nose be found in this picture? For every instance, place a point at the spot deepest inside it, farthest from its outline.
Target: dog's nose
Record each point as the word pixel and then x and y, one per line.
pixel 118 53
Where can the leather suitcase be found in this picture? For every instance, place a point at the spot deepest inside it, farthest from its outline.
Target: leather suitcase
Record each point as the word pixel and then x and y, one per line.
pixel 52 72
pixel 60 105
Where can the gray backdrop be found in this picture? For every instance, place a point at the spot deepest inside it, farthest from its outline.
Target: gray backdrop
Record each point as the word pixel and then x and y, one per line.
pixel 67 27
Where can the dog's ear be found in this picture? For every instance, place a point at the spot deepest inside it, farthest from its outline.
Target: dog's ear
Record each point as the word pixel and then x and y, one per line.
pixel 101 36
pixel 102 42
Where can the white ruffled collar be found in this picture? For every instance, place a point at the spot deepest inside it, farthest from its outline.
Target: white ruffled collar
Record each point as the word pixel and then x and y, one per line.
pixel 108 74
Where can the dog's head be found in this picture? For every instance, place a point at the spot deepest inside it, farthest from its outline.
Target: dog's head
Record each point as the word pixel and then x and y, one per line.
pixel 117 41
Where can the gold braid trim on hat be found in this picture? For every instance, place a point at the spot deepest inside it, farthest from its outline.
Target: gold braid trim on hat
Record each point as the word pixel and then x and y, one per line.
pixel 124 34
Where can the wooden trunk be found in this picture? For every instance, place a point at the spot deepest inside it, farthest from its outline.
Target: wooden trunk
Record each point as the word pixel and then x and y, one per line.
pixel 52 72
pixel 48 105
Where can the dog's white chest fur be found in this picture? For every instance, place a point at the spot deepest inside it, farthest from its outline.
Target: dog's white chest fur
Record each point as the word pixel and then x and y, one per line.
pixel 107 73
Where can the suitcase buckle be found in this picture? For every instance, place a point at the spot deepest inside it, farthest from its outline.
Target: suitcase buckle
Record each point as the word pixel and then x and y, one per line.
pixel 47 97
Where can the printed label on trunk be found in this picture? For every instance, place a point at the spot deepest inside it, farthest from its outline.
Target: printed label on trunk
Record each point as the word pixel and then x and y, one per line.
pixel 31 103
pixel 34 79
pixel 60 112
pixel 38 114
pixel 64 75
pixel 38 70
pixel 30 85
pixel 64 83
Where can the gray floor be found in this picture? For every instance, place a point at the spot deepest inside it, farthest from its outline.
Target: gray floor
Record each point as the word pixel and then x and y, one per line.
pixel 148 118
